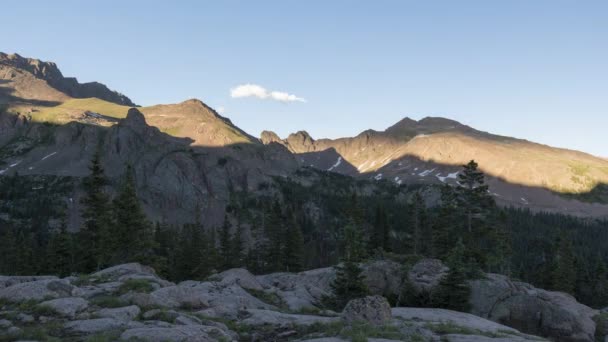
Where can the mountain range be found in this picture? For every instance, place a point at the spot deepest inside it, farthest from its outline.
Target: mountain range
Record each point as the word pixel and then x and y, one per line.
pixel 187 157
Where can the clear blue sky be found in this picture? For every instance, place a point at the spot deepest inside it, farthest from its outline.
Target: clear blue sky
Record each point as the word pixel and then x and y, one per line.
pixel 530 69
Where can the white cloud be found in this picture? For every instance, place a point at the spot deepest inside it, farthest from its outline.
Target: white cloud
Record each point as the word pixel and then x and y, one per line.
pixel 220 110
pixel 254 90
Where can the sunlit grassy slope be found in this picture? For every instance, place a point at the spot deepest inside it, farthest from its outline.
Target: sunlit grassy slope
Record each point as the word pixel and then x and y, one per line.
pixel 190 119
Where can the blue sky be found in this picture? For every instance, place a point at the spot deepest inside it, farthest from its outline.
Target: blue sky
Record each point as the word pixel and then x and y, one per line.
pixel 531 69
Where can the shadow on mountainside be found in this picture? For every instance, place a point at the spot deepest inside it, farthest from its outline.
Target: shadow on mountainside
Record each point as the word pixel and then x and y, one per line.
pixel 180 175
pixel 412 169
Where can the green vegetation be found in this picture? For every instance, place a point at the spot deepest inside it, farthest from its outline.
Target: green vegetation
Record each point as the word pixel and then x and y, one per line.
pixel 60 113
pixel 136 285
pixel 296 227
pixel 108 302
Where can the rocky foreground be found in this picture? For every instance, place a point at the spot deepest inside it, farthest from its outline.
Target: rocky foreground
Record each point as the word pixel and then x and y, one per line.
pixel 130 302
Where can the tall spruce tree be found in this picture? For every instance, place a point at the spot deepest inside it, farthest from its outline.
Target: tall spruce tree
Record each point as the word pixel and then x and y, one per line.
pixel 473 197
pixel 564 269
pixel 380 235
pixel 294 246
pixel 238 248
pixel 418 225
pixel 226 249
pixel 445 223
pixel 132 234
pixel 95 237
pixel 60 252
pixel 453 290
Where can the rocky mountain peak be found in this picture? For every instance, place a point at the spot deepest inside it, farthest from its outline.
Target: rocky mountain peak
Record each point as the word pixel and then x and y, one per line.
pixel 49 72
pixel 268 137
pixel 135 118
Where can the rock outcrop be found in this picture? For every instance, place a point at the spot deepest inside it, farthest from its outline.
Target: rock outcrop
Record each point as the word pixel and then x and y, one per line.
pixel 95 307
pixel 556 315
pixel 371 309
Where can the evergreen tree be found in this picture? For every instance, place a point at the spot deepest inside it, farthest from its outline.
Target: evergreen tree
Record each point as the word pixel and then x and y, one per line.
pixel 94 237
pixel 9 263
pixel 418 224
pixel 132 233
pixel 473 197
pixel 453 291
pixel 226 249
pixel 564 271
pixel 444 225
pixel 275 239
pixel 294 247
pixel 380 235
pixel 238 247
pixel 60 252
pixel 348 284
pixel 600 282
pixel 354 244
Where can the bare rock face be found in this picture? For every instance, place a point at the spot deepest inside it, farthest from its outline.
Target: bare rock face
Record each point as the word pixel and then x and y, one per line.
pixel 39 290
pixel 384 277
pixel 67 307
pixel 371 309
pixel 426 274
pixel 535 311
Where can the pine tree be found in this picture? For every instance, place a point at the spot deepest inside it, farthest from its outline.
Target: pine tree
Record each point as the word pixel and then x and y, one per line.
pixel 60 252
pixel 354 244
pixel 238 247
pixel 275 239
pixel 9 263
pixel 132 233
pixel 453 291
pixel 94 237
pixel 444 225
pixel 418 224
pixel 294 247
pixel 564 270
pixel 600 282
pixel 348 284
pixel 380 236
pixel 226 249
pixel 473 197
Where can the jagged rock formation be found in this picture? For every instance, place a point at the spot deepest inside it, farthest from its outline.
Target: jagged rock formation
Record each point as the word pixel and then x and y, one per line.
pixel 14 65
pixel 130 301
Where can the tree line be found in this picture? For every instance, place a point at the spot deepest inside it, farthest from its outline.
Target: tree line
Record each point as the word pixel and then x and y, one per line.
pixel 465 229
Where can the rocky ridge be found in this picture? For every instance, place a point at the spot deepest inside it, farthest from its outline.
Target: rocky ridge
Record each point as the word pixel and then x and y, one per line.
pixel 130 301
pixel 431 151
pixel 50 73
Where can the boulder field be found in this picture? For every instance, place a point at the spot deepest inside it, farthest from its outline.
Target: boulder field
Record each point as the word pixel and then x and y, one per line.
pixel 131 302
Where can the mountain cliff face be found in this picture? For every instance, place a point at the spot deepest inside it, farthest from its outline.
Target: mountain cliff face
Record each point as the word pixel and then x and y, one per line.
pixel 432 150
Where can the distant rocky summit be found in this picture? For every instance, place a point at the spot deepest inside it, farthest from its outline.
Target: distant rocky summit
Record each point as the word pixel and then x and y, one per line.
pixel 49 72
pixel 130 302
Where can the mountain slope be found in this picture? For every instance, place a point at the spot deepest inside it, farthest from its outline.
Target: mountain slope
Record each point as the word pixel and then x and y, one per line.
pixel 432 150
pixel 48 72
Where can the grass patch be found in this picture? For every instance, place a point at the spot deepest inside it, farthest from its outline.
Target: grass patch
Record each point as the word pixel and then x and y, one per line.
pixel 108 302
pixel 136 285
pixel 44 310
pixel 108 336
pixel 268 297
pixel 356 332
pixel 47 332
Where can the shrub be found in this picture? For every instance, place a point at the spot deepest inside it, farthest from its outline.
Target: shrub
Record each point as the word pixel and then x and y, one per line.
pixel 136 285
